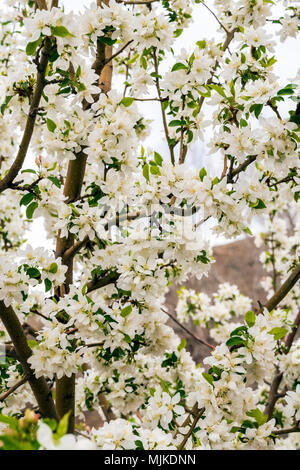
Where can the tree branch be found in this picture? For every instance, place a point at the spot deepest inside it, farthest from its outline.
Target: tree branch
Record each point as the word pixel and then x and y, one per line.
pixel 273 394
pixel 284 289
pixel 196 419
pixel 12 389
pixel 118 52
pixel 137 2
pixel 39 386
pixel 196 338
pixel 103 281
pixel 42 4
pixel 29 127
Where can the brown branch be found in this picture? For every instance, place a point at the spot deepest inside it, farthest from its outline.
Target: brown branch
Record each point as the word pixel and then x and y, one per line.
pixel 215 16
pixel 137 2
pixel 295 428
pixel 74 249
pixel 196 338
pixel 54 4
pixel 42 4
pixel 163 112
pixel 151 99
pixel 103 281
pixel 194 423
pixel 284 289
pixel 29 127
pixel 241 168
pixel 275 109
pixel 13 388
pixel 228 39
pixel 106 408
pixel 273 393
pixel 39 386
pixel 118 52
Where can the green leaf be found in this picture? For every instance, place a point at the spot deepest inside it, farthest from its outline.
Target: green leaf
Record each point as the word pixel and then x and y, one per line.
pixel 51 125
pixel 146 172
pixel 32 46
pixel 126 311
pixel 288 90
pixel 243 123
pixel 179 66
pixel 259 417
pixel 6 101
pixel 202 174
pixel 154 170
pixel 11 421
pixel 218 89
pixel 182 344
pixel 209 378
pixel 176 123
pixel 235 341
pixel 62 427
pixel 257 108
pixel 127 101
pixel 48 284
pixel 259 204
pixel 30 209
pixel 106 40
pixel 158 159
pixel 26 199
pixel 201 44
pixel 55 181
pixel 278 333
pixel 53 268
pixel 60 31
pixel 143 62
pixel 247 230
pixel 33 273
pixel 250 318
pixel 32 343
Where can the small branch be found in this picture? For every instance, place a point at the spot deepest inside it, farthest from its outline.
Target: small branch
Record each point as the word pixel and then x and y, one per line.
pixel 74 249
pixel 39 386
pixel 106 408
pixel 284 289
pixel 137 2
pixel 273 394
pixel 241 167
pixel 13 388
pixel 291 336
pixel 275 109
pixel 215 16
pixel 29 127
pixel 187 436
pixel 163 112
pixel 42 4
pixel 118 52
pixel 224 167
pixel 295 428
pixel 196 338
pixel 151 99
pixel 102 281
pixel 54 4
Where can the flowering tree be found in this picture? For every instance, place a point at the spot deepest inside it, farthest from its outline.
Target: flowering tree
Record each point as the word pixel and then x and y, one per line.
pixel 84 327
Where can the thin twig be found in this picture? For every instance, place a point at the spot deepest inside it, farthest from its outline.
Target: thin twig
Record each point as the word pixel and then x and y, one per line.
pixel 118 52
pixel 13 388
pixel 215 16
pixel 186 437
pixel 196 338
